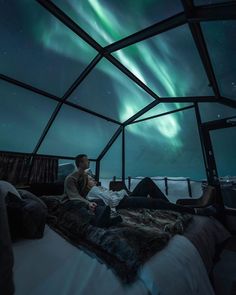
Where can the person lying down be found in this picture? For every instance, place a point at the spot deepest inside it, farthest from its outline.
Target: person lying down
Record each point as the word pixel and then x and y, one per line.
pixel 102 196
pixel 81 188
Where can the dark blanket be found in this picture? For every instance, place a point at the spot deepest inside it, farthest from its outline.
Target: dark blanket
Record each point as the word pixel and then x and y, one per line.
pixel 124 247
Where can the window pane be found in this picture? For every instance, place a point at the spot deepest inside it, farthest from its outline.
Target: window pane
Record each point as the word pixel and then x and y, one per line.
pixel 108 21
pixel 23 116
pixel 219 36
pixel 215 111
pixel 111 164
pixel 67 166
pixel 168 63
pixel 108 91
pixel 75 132
pixel 224 147
pixel 163 108
pixel 38 49
pixel 92 166
pixel 165 146
pixel 66 161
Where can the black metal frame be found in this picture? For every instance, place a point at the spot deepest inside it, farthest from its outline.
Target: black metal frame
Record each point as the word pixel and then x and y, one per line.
pixel 44 155
pixel 123 154
pixel 222 123
pixel 212 173
pixel 210 158
pixel 202 139
pixel 192 16
pixel 163 114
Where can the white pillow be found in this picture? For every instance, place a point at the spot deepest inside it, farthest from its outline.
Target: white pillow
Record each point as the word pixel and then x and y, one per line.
pixel 6 187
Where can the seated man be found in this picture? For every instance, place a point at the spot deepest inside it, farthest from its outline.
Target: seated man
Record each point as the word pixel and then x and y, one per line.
pixel 89 211
pixel 82 186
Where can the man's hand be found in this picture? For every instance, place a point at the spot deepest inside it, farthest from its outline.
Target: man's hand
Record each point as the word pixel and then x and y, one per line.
pixel 92 206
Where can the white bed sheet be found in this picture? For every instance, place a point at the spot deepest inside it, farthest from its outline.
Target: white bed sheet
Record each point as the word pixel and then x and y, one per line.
pixel 176 270
pixel 51 265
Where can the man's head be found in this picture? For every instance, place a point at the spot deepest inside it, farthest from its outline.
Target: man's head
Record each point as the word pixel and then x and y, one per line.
pixel 82 161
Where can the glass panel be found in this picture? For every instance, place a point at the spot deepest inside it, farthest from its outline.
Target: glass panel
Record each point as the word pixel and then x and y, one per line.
pixel 67 166
pixel 215 111
pixel 163 108
pixel 23 116
pixel 75 132
pixel 165 146
pixel 92 166
pixel 38 49
pixel 111 164
pixel 66 161
pixel 108 21
pixel 207 2
pixel 108 91
pixel 168 63
pixel 219 36
pixel 224 147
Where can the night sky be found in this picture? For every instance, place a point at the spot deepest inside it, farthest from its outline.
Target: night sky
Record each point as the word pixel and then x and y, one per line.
pixel 39 50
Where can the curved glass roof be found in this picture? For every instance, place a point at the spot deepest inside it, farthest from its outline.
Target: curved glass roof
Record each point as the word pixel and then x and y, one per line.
pixel 74 74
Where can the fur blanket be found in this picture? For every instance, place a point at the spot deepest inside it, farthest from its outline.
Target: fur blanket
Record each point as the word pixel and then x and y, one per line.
pixel 124 247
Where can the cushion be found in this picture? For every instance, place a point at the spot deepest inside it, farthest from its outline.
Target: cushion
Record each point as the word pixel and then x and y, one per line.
pixel 26 217
pixel 15 216
pixel 24 194
pixel 6 187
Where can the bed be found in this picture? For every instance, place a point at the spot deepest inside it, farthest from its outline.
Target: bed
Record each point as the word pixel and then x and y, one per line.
pixel 52 265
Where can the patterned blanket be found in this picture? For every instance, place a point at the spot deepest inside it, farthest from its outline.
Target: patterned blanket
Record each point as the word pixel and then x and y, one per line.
pixel 124 247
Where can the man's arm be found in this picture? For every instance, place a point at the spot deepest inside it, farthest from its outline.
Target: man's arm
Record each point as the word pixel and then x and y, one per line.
pixel 72 191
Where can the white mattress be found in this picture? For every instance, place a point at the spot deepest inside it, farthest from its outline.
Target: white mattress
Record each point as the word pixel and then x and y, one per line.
pixel 51 265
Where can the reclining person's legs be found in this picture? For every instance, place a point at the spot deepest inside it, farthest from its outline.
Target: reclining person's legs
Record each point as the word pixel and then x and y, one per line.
pixel 148 187
pixel 151 203
pixel 148 203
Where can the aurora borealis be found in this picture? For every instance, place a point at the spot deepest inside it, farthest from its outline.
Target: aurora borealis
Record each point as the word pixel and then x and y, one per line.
pixel 39 50
pixel 108 21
